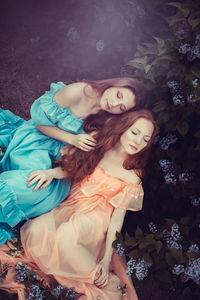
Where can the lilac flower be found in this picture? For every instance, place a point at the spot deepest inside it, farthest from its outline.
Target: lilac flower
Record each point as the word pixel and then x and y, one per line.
pixel 120 250
pixel 22 272
pixel 184 177
pixel 166 141
pixel 178 269
pixel 172 237
pixel 178 99
pixel 170 178
pixel 175 233
pixel 73 34
pixel 193 248
pixel 156 139
pixel 194 53
pixel 58 289
pixel 166 165
pixel 142 269
pixel 195 82
pixel 192 271
pixel 174 86
pixel 184 48
pixel 191 98
pixel 131 265
pixel 35 293
pixel 100 45
pixel 152 227
pixel 195 201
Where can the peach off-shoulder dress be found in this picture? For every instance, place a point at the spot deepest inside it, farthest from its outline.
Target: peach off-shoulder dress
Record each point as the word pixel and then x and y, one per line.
pixel 69 241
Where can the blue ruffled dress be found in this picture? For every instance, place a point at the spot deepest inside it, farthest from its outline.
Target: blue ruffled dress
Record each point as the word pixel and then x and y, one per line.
pixel 27 150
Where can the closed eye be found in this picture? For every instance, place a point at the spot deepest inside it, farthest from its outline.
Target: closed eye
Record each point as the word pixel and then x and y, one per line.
pixel 119 95
pixel 133 132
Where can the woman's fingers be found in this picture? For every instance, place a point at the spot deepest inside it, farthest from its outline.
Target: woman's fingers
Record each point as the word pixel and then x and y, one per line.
pixel 34 180
pixel 38 185
pixel 102 281
pixel 45 184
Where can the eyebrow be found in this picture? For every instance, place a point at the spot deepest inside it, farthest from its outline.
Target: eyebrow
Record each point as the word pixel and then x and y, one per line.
pixel 141 132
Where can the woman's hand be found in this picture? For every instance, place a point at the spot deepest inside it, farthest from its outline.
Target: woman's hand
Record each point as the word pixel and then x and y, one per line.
pixel 83 141
pixel 44 178
pixel 102 275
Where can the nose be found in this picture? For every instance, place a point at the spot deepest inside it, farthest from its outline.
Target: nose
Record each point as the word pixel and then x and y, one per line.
pixel 138 139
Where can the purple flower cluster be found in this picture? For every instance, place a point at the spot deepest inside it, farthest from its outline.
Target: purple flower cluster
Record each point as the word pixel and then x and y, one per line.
pixel 166 165
pixel 193 248
pixel 35 293
pixel 178 269
pixel 191 98
pixel 195 83
pixel 195 201
pixel 172 237
pixel 176 90
pixel 185 177
pixel 119 250
pixel 22 272
pixel 192 271
pixel 166 141
pixel 152 227
pixel 141 268
pixel 182 29
pixel 192 50
pixel 170 178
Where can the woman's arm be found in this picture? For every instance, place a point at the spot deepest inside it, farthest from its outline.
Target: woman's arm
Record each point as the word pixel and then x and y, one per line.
pixel 82 141
pixel 115 225
pixel 44 177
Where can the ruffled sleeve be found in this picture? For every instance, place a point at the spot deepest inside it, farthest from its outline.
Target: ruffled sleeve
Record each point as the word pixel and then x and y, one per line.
pixel 45 111
pixel 129 198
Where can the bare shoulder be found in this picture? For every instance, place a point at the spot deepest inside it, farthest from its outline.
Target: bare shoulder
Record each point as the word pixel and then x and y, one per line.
pixel 133 177
pixel 70 94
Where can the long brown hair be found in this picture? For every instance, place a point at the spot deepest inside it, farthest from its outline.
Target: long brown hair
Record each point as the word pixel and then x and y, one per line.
pixel 78 164
pixel 133 84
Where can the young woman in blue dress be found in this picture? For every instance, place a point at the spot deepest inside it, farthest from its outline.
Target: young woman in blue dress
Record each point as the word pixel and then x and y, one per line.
pixel 56 120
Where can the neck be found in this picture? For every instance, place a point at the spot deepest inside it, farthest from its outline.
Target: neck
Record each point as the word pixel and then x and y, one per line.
pixel 91 93
pixel 118 153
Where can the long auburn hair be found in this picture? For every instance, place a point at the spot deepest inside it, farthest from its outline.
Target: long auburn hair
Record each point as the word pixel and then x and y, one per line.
pixel 78 164
pixel 133 84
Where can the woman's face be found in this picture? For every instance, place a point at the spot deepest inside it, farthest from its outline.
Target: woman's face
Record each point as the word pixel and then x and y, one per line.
pixel 137 136
pixel 117 100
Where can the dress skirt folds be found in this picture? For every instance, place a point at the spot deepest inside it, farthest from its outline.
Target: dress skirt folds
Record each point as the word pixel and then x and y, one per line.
pixel 68 241
pixel 27 150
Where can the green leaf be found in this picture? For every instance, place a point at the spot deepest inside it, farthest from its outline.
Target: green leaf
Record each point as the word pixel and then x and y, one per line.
pixel 170 259
pixel 194 22
pixel 170 222
pixel 185 11
pixel 163 117
pixel 160 42
pixel 147 68
pixel 160 106
pixel 145 244
pixel 134 253
pixel 131 242
pixel 138 233
pixel 147 258
pixel 158 246
pixel 182 128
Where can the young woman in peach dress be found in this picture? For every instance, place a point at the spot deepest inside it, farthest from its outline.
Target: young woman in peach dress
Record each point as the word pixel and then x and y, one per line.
pixel 73 242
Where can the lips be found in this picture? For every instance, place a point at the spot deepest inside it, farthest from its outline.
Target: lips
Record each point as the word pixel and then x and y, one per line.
pixel 107 105
pixel 133 147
